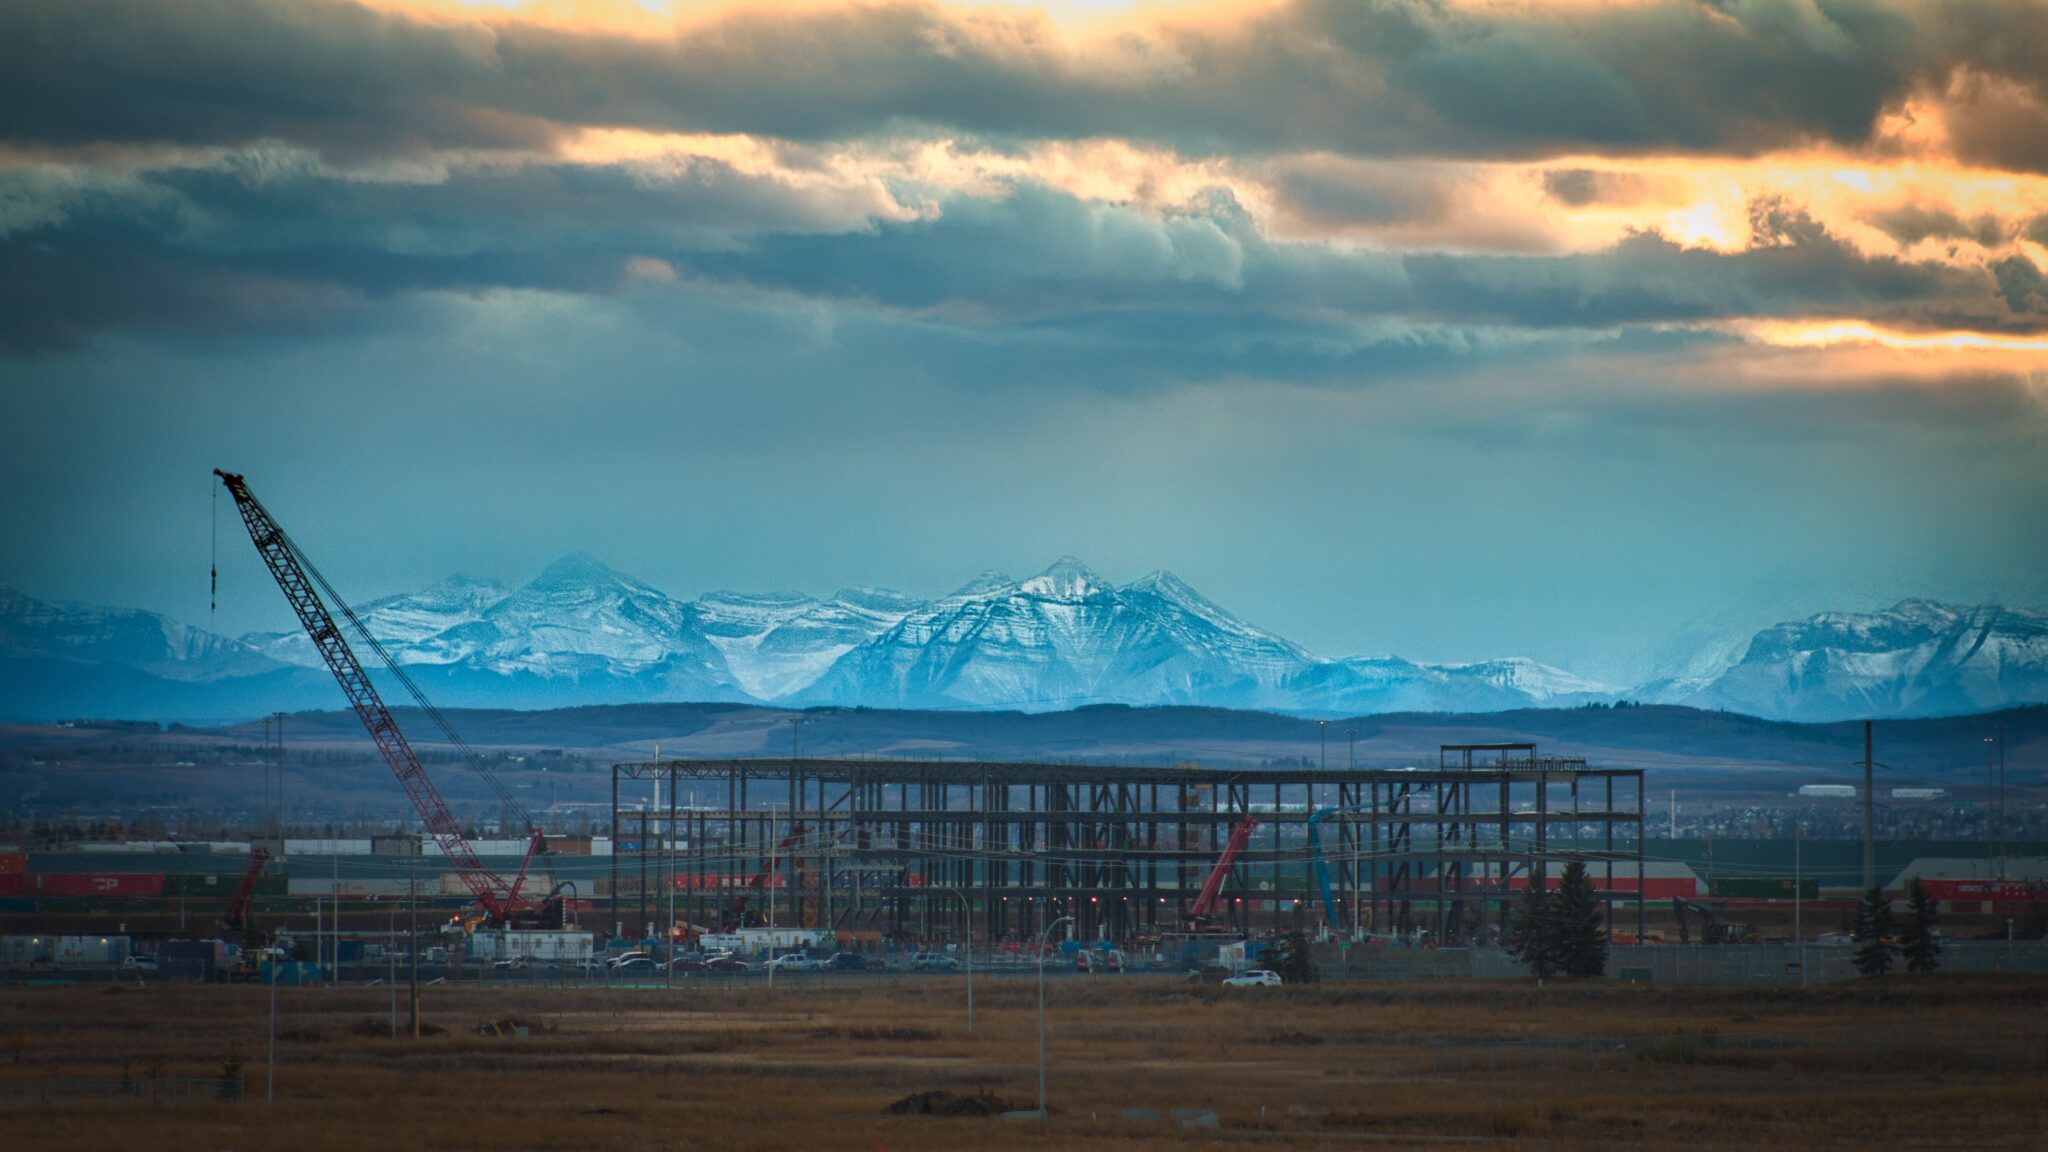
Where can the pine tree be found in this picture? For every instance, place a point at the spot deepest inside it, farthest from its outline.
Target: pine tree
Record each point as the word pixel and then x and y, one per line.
pixel 1575 918
pixel 1292 960
pixel 1532 931
pixel 1874 930
pixel 1920 943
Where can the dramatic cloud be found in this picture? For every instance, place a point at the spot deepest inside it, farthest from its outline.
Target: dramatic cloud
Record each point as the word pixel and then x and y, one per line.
pixel 1381 78
pixel 1667 288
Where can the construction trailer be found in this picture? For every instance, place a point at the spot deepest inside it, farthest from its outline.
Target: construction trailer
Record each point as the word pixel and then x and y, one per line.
pixel 914 848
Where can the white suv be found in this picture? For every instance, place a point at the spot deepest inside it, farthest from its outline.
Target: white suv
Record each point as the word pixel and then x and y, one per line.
pixel 1255 978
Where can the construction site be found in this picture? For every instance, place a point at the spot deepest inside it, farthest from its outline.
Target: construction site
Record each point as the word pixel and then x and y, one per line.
pixel 994 852
pixel 564 975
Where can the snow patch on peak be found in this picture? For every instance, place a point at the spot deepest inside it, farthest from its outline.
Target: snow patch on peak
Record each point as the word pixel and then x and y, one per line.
pixel 1066 579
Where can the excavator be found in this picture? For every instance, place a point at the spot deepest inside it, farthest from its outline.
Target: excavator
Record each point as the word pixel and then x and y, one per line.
pixel 1712 929
pixel 500 901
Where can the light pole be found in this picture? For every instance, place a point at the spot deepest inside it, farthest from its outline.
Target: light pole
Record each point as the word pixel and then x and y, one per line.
pixel 1323 741
pixel 270 1076
pixel 969 905
pixel 1798 903
pixel 1041 1011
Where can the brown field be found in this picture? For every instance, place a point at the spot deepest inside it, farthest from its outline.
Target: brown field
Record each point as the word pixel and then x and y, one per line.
pixel 1899 1062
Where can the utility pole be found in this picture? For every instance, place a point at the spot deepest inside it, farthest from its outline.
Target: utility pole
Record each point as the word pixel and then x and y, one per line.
pixel 277 818
pixel 668 847
pixel 270 1076
pixel 969 906
pixel 1869 807
pixel 1798 902
pixel 413 949
pixel 1323 736
pixel 1041 1011
pixel 1998 824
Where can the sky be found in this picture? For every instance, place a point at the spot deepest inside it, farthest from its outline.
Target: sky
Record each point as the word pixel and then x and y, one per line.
pixel 1580 331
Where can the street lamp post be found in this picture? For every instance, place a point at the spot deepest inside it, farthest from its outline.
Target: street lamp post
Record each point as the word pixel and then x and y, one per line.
pixel 1041 1010
pixel 270 1075
pixel 969 905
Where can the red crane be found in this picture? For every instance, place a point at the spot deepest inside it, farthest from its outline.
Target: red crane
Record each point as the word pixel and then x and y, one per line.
pixel 237 917
pixel 739 902
pixel 1205 900
pixel 500 900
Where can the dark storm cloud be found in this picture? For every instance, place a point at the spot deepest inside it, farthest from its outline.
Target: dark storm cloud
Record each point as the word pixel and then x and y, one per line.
pixel 1580 187
pixel 221 250
pixel 1914 223
pixel 1389 77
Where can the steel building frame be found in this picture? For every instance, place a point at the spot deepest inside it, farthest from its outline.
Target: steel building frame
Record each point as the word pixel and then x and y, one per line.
pixel 903 848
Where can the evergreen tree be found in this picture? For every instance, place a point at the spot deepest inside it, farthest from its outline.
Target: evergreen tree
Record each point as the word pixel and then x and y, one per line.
pixel 1532 938
pixel 1292 960
pixel 1580 941
pixel 1920 943
pixel 1874 931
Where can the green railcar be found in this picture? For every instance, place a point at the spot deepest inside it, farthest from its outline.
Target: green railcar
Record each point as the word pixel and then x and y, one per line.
pixel 1764 888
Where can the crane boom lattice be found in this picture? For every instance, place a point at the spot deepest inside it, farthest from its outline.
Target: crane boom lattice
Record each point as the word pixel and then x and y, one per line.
pixel 286 566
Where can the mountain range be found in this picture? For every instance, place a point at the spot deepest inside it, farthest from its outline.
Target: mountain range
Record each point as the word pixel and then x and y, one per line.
pixel 583 633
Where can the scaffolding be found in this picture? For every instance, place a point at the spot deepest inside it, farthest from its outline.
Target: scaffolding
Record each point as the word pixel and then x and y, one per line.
pixel 919 849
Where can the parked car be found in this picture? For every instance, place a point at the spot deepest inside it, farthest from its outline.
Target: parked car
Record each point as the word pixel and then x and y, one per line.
pixel 933 962
pixel 1254 978
pixel 140 963
pixel 510 965
pixel 793 962
pixel 640 963
pixel 625 958
pixel 847 962
pixel 732 965
pixel 689 964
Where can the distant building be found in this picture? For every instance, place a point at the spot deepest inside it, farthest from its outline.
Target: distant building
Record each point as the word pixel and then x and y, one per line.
pixel 1828 791
pixel 1919 793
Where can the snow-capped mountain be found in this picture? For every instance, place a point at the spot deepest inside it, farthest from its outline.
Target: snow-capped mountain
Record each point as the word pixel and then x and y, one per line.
pixel 1390 684
pixel 1062 638
pixel 1916 658
pixel 408 622
pixel 580 632
pixel 583 633
pixel 32 629
pixel 778 643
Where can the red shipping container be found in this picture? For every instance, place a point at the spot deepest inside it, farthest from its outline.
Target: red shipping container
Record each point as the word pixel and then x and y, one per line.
pixel 2002 895
pixel 100 884
pixel 13 863
pixel 13 884
pixel 722 880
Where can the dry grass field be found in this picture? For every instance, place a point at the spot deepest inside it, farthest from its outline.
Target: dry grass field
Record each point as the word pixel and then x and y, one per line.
pixel 1901 1063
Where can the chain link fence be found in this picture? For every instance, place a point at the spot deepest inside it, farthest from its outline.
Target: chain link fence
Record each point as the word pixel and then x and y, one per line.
pixel 1704 965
